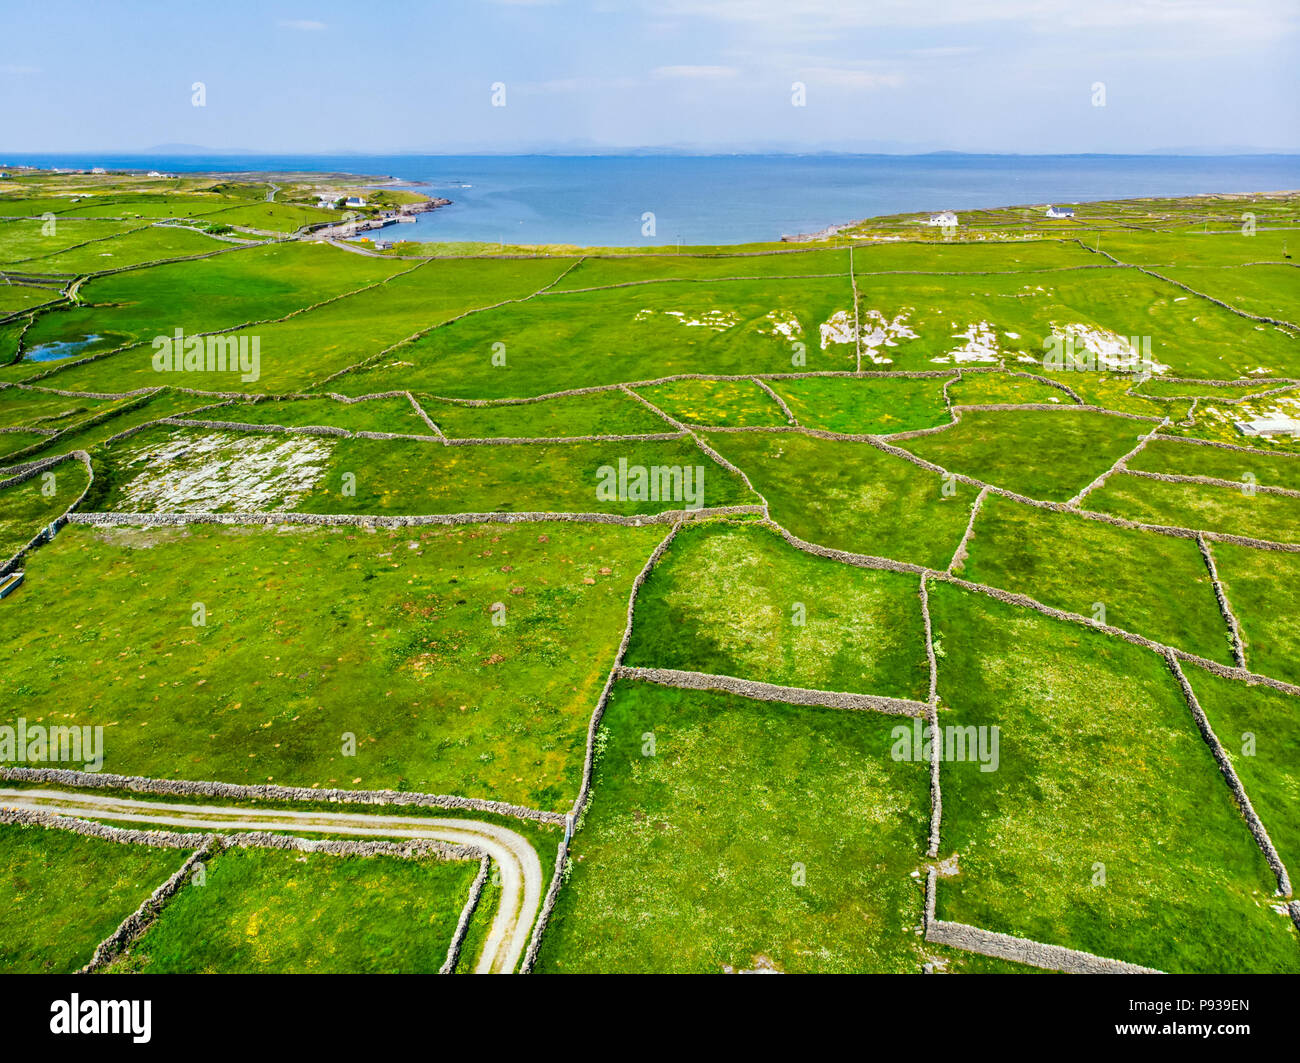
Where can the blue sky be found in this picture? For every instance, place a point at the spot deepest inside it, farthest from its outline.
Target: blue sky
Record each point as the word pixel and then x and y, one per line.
pixel 891 75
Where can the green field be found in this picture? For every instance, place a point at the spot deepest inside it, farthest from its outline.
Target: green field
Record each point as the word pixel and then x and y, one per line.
pixel 201 470
pixel 1256 583
pixel 1228 510
pixel 266 911
pixel 1048 455
pixel 858 406
pixel 28 507
pixel 65 893
pixel 737 600
pixel 756 832
pixel 851 496
pixel 1156 586
pixel 387 636
pixel 1101 773
pixel 838 389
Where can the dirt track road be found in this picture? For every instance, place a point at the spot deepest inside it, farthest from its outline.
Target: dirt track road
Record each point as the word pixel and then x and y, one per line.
pixel 517 862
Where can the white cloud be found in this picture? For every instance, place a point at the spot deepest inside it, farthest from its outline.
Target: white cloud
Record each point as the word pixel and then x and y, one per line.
pixel 845 78
pixel 11 69
pixel 951 51
pixel 820 16
pixel 555 86
pixel 300 24
pixel 695 72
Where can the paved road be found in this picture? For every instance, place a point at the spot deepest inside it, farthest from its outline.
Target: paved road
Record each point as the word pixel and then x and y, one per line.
pixel 520 870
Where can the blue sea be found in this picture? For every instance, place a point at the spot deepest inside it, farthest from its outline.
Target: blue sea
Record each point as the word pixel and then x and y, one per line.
pixel 600 200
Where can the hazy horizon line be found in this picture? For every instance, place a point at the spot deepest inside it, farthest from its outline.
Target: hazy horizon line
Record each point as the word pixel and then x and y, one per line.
pixel 629 152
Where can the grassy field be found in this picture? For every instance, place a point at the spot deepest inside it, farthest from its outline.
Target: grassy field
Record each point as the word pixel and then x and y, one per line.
pixel 1154 585
pixel 1180 459
pixel 1200 507
pixel 264 911
pixel 12 443
pixel 738 600
pixel 979 388
pixel 862 406
pixel 852 496
pixel 311 346
pixel 1049 455
pixel 620 335
pixel 64 894
pixel 468 659
pixel 42 409
pixel 756 833
pixel 1101 773
pixel 149 244
pixel 1259 731
pixel 602 272
pixel 198 470
pixel 1255 582
pixel 222 291
pixel 28 507
pixel 599 413
pixel 718 403
pixel 389 414
pixel 314 634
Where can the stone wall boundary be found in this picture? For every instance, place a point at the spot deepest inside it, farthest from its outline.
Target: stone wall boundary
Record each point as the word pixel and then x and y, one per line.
pixel 50 530
pixel 932 720
pixel 573 821
pixel 267 792
pixel 759 691
pixel 1239 795
pixel 151 520
pixel 466 914
pixel 959 555
pixel 135 924
pixel 1220 593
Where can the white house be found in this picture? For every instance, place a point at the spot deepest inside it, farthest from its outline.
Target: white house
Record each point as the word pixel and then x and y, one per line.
pixel 355 201
pixel 1059 212
pixel 99 169
pixel 944 218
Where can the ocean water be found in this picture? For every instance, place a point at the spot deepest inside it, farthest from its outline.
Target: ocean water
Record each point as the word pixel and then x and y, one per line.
pixel 723 199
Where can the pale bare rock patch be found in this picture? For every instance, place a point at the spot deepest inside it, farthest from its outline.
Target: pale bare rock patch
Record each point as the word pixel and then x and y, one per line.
pixel 717 320
pixel 192 474
pixel 782 323
pixel 1108 348
pixel 981 345
pixel 877 331
pixel 838 328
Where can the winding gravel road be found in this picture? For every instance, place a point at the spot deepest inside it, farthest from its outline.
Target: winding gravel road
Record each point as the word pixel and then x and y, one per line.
pixel 520 870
